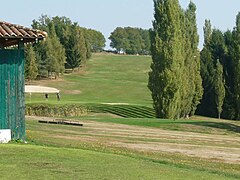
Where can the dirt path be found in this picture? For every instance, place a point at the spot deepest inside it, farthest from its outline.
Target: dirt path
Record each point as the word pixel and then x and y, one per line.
pixel 217 147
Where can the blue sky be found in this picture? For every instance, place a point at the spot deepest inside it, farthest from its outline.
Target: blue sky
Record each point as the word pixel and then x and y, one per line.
pixel 106 15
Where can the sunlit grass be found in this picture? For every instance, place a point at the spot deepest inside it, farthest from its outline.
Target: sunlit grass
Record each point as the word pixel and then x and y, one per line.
pixel 105 79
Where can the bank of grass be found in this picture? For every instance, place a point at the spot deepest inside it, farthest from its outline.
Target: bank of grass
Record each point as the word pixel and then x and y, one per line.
pixel 37 162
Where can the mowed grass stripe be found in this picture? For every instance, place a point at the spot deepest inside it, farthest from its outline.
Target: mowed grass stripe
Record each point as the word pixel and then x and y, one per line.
pixel 128 111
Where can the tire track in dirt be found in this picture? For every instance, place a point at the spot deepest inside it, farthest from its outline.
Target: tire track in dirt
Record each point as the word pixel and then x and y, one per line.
pixel 224 148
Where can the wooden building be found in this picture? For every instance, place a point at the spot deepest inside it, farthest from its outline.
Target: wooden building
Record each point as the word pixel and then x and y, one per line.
pixel 12 99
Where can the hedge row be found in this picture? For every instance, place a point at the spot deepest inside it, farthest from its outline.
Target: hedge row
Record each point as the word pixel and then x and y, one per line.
pixel 49 110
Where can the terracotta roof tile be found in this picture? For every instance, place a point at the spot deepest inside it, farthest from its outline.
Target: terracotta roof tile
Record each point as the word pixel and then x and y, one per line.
pixel 12 34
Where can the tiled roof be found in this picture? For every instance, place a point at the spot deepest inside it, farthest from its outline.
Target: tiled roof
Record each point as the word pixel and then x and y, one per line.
pixel 12 34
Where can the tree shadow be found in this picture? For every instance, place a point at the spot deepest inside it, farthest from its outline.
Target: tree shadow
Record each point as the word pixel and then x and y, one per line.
pixel 219 125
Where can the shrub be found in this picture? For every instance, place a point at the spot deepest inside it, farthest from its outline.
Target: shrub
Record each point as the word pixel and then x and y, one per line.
pixel 55 110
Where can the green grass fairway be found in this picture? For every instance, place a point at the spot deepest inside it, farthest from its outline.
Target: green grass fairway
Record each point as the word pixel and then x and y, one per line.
pixel 35 162
pixel 105 79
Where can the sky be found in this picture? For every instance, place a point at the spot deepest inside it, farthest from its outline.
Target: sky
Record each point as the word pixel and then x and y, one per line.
pixel 106 15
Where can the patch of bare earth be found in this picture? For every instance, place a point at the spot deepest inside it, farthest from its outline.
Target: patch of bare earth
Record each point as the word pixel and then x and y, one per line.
pixel 72 92
pixel 225 148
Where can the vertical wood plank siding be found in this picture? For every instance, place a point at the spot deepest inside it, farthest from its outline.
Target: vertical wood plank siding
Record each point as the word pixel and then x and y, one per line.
pixel 12 100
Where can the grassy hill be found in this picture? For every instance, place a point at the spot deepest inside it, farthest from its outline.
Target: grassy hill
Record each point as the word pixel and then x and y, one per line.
pixel 105 79
pixel 115 84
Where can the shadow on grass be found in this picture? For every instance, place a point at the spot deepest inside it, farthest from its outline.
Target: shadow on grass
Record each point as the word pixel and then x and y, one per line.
pixel 219 125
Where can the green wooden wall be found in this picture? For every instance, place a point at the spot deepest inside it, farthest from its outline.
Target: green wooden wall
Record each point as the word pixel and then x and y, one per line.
pixel 12 100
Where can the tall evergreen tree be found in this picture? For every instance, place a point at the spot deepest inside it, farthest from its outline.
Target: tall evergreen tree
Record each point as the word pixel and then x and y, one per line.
pixel 219 88
pixel 50 54
pixel 207 106
pixel 218 51
pixel 166 46
pixel 55 53
pixel 31 69
pixel 207 31
pixel 229 106
pixel 192 88
pixel 220 67
pixel 207 73
pixel 236 62
pixel 62 27
pixel 75 48
pixel 71 37
pixel 212 59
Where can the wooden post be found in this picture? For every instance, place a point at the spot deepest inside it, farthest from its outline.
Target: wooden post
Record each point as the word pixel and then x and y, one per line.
pixel 20 45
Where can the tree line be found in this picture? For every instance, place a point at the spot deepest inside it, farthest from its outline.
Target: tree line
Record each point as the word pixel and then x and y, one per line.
pixel 68 46
pixel 183 80
pixel 220 70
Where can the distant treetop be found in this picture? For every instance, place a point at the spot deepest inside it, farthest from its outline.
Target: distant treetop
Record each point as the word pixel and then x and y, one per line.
pixel 130 40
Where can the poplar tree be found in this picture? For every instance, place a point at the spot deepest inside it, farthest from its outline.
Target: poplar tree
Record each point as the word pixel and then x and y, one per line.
pixel 207 31
pixel 229 105
pixel 167 61
pixel 212 59
pixel 192 88
pixel 218 49
pixel 236 62
pixel 207 106
pixel 219 88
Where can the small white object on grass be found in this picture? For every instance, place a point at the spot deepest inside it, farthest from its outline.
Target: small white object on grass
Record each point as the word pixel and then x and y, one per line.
pixel 5 135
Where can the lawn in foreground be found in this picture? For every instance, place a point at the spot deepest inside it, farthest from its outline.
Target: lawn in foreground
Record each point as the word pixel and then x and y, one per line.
pixel 37 162
pixel 106 137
